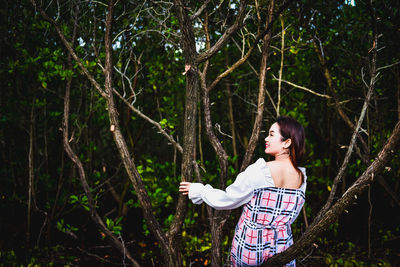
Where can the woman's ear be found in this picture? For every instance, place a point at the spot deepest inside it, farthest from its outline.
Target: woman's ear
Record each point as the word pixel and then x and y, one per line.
pixel 287 143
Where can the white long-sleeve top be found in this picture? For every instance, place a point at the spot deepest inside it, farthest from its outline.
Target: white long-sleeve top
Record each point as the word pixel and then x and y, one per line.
pixel 257 175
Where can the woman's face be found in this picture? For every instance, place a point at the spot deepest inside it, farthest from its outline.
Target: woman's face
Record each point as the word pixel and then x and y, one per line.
pixel 273 142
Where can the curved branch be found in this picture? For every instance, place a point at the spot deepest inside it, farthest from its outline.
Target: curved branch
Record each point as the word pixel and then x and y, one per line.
pixel 227 34
pixel 319 50
pixel 162 131
pixel 244 58
pixel 216 218
pixel 198 12
pixel 302 88
pixel 232 68
pixel 216 144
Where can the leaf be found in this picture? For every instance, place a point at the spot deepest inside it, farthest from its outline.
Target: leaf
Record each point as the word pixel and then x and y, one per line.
pixel 204 248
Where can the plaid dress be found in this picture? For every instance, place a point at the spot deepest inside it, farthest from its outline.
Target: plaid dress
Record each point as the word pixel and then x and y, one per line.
pixel 264 226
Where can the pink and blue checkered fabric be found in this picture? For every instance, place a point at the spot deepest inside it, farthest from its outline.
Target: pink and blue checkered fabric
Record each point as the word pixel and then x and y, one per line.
pixel 264 226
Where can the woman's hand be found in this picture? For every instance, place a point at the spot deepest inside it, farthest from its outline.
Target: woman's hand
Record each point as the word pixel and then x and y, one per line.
pixel 184 188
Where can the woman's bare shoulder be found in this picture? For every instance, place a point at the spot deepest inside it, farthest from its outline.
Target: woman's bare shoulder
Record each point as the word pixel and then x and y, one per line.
pixel 274 164
pixel 284 175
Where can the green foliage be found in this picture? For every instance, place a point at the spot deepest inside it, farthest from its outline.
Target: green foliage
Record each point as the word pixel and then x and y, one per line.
pixel 114 226
pixel 161 187
pixel 81 201
pixel 201 244
pixel 65 227
pixel 8 257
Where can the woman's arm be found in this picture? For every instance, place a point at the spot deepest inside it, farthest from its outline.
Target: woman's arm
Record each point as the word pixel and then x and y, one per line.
pixel 235 195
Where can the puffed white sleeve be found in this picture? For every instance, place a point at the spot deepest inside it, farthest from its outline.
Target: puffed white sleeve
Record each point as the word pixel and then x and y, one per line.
pixel 235 195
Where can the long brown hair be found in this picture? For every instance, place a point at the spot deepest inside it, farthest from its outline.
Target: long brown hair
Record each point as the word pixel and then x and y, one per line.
pixel 290 128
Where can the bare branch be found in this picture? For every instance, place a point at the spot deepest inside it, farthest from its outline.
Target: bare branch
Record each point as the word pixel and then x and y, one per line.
pixel 319 50
pixel 200 10
pixel 388 66
pixel 281 66
pixel 302 88
pixel 156 124
pixel 227 34
pixel 216 144
pixel 231 69
pixel 218 127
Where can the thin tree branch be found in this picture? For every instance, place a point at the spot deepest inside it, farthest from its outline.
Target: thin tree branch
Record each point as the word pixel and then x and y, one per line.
pixel 231 69
pixel 319 50
pixel 282 50
pixel 388 66
pixel 199 11
pixel 301 87
pixel 156 124
pixel 227 34
pixel 216 219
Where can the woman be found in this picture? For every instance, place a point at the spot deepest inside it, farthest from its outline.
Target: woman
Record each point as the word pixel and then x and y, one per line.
pixel 274 193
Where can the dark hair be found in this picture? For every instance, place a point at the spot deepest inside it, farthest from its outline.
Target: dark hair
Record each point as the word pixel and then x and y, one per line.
pixel 290 128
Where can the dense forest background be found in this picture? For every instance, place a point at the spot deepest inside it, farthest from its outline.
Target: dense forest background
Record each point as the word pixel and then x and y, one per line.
pixel 105 106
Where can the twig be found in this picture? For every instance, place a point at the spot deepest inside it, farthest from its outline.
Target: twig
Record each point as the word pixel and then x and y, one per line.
pixel 218 127
pixel 199 11
pixel 162 131
pixel 369 221
pixel 302 88
pixel 97 257
pixel 387 66
pixel 70 49
pixel 281 66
